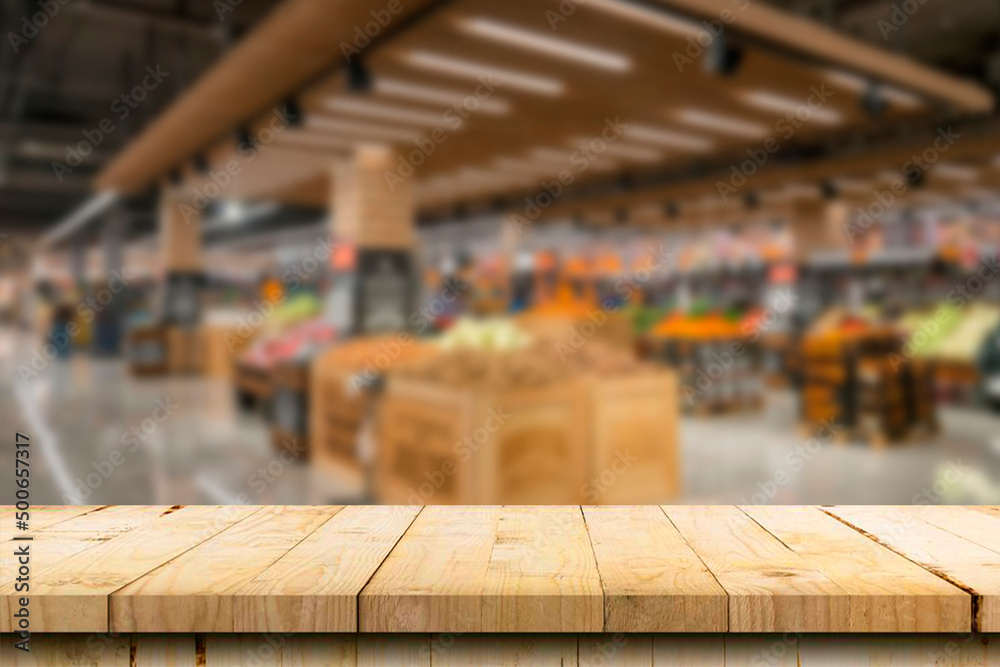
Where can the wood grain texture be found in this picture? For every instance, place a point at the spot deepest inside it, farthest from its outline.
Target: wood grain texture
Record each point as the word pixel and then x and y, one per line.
pixel 887 592
pixel 72 596
pixel 40 517
pixel 966 564
pixel 62 539
pixel 194 592
pixel 653 581
pixel 770 587
pixel 518 569
pixel 314 587
pixel 488 569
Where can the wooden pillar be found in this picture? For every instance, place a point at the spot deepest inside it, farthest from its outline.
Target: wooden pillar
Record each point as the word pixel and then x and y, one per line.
pixel 373 212
pixel 180 231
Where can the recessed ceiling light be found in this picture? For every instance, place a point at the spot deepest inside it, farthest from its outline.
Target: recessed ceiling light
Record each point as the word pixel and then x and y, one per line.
pixel 721 123
pixel 420 93
pixel 468 69
pixel 955 172
pixel 384 111
pixel 859 85
pixel 550 46
pixel 670 138
pixel 351 127
pixel 660 19
pixel 772 102
pixel 321 140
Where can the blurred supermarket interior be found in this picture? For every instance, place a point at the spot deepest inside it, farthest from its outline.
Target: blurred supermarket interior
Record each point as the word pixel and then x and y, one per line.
pixel 502 251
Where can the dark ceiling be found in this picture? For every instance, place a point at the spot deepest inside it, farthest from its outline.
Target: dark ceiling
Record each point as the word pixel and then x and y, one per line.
pixel 68 78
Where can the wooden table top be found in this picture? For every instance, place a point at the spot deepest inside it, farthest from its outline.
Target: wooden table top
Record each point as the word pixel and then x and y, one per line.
pixel 367 569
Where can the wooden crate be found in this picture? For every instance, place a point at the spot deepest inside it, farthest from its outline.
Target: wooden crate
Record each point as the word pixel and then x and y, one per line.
pixel 440 443
pixel 342 383
pixel 633 438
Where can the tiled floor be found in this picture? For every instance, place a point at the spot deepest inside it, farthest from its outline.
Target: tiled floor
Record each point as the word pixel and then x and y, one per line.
pixel 101 436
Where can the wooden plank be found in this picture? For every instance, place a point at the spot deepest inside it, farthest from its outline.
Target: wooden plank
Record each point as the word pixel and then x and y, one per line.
pixel 59 541
pixel 510 651
pixel 395 650
pixel 58 650
pixel 887 592
pixel 773 650
pixel 40 517
pixel 969 650
pixel 195 591
pixel 315 586
pixel 166 651
pixel 983 528
pixel 617 650
pixel 319 651
pixel 815 40
pixel 432 581
pixel 72 596
pixel 487 569
pixel 965 564
pixel 653 581
pixel 689 651
pixel 770 588
pixel 542 576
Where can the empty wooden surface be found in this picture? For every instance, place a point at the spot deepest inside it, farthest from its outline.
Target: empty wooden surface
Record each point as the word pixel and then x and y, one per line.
pixel 518 569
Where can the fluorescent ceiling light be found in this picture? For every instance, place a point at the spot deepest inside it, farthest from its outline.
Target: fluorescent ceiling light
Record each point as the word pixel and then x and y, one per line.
pixel 445 96
pixel 563 159
pixel 859 85
pixel 720 123
pixel 469 69
pixel 349 127
pixel 772 102
pixel 384 111
pixel 524 166
pixel 550 46
pixel 624 151
pixel 955 172
pixel 670 138
pixel 648 17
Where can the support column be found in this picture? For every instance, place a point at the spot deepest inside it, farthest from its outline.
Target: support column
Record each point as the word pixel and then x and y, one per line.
pixel 108 321
pixel 373 212
pixel 183 262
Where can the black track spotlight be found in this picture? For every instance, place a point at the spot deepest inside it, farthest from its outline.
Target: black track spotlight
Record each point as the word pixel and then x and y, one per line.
pixel 829 190
pixel 292 112
pixel 201 163
pixel 914 176
pixel 672 209
pixel 872 101
pixel 359 79
pixel 752 200
pixel 722 56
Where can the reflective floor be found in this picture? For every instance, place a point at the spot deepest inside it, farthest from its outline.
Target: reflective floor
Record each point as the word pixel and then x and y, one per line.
pixel 99 436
